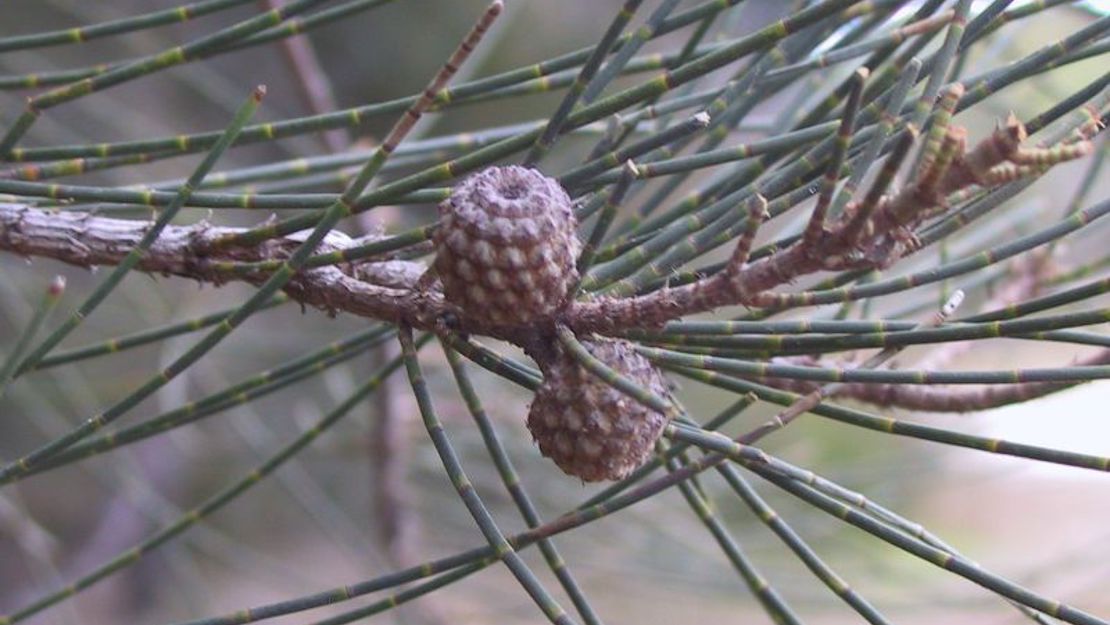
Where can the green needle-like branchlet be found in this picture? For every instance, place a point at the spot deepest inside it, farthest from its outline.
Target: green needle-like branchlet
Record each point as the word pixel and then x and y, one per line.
pixel 770 598
pixel 512 370
pixel 900 427
pixel 355 116
pixel 92 424
pixel 816 227
pixel 346 255
pixel 613 377
pixel 598 110
pixel 404 596
pixel 339 209
pixel 138 339
pixel 777 145
pixel 153 63
pixel 41 313
pixel 82 34
pixel 453 467
pixel 286 28
pixel 642 35
pixel 802 112
pixel 254 387
pixel 761 369
pixel 799 481
pixel 610 203
pixel 959 566
pixel 157 199
pixel 513 485
pixel 555 123
pixel 812 337
pixel 796 544
pixel 614 158
pixel 181 197
pixel 217 501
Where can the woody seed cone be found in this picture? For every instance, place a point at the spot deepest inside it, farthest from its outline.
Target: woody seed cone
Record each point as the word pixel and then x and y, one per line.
pixel 590 429
pixel 506 246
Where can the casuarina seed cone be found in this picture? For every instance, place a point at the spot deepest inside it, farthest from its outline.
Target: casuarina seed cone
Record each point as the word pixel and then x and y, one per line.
pixel 590 429
pixel 506 246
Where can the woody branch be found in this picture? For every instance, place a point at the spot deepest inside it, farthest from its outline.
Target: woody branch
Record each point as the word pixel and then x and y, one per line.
pixel 874 231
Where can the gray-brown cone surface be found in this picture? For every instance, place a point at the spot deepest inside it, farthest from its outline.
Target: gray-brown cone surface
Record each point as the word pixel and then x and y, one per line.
pixel 590 429
pixel 506 246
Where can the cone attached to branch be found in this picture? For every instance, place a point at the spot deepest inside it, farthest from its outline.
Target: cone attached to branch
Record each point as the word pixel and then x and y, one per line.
pixel 506 246
pixel 589 428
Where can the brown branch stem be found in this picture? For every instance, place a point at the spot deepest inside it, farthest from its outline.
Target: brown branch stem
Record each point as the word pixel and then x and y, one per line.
pixel 382 290
pixel 85 240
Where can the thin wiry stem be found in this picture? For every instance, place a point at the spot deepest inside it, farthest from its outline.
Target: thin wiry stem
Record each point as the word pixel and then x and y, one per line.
pixel 613 377
pixel 640 276
pixel 245 112
pixel 791 539
pixel 598 110
pixel 405 596
pixel 215 502
pixel 339 209
pixel 904 428
pixel 134 69
pixel 612 201
pixel 511 480
pixel 769 598
pixel 96 422
pixel 41 313
pixel 255 386
pixel 82 34
pixel 465 488
pixel 555 123
pixel 539 74
pixel 138 339
pixel 942 559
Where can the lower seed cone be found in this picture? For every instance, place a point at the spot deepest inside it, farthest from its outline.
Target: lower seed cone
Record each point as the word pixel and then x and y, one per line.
pixel 590 429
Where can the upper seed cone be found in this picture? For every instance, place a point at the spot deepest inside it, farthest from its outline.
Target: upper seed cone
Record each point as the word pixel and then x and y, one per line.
pixel 590 429
pixel 506 246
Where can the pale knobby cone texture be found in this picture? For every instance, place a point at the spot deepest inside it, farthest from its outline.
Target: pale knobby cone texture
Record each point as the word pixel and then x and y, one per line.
pixel 590 429
pixel 506 246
